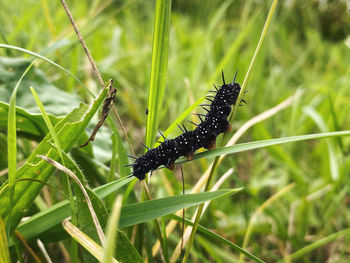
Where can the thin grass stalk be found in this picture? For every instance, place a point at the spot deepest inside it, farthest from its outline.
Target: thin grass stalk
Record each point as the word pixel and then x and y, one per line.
pixel 156 92
pixel 200 208
pixel 159 67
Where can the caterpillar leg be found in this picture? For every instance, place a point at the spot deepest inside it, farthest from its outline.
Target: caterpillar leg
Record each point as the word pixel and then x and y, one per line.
pixel 170 165
pixel 229 128
pixel 189 156
pixel 212 145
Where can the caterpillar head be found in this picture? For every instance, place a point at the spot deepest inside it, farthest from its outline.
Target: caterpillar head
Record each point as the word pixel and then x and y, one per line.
pixel 228 92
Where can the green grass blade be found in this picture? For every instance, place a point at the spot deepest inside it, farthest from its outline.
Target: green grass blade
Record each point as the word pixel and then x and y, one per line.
pixel 264 143
pixel 84 240
pixel 4 255
pixel 158 68
pixel 12 146
pixel 333 162
pixel 323 241
pixel 48 123
pixel 205 231
pixel 257 50
pixel 148 210
pixel 111 234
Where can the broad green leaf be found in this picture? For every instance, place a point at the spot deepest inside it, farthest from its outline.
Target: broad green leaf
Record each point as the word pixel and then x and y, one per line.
pixel 28 125
pixel 148 210
pixel 158 68
pixel 10 71
pixel 125 251
pixel 45 59
pixel 68 130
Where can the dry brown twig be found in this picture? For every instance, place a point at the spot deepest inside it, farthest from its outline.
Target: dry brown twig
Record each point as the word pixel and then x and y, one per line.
pixel 94 68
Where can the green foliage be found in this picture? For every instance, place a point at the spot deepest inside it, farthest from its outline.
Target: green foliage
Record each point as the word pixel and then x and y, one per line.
pixel 292 166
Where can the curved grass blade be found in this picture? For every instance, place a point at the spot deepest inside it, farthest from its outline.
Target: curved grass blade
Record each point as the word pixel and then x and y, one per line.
pixel 323 241
pixel 12 147
pixel 261 144
pixel 26 51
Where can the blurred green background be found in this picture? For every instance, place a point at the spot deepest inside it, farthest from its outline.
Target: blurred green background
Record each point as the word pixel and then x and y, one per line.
pixel 307 49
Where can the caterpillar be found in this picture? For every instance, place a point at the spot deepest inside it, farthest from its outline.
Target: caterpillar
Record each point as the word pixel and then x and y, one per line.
pixel 204 135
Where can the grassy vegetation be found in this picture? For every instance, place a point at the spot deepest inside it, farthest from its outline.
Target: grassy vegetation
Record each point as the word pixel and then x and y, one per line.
pixel 285 200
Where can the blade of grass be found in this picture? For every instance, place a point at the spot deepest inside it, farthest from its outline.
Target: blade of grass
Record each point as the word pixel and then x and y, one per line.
pixel 74 247
pixel 333 160
pixel 261 144
pixel 158 68
pixel 90 245
pixel 111 234
pixel 165 241
pixel 211 234
pixel 323 241
pixel 148 210
pixel 12 146
pixel 48 123
pixel 4 255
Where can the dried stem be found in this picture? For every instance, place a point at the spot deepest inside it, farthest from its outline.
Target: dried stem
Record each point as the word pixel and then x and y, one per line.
pixel 94 67
pixel 80 37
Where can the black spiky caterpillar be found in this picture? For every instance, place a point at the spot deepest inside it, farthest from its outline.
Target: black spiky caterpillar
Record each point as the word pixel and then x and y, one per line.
pixel 214 123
